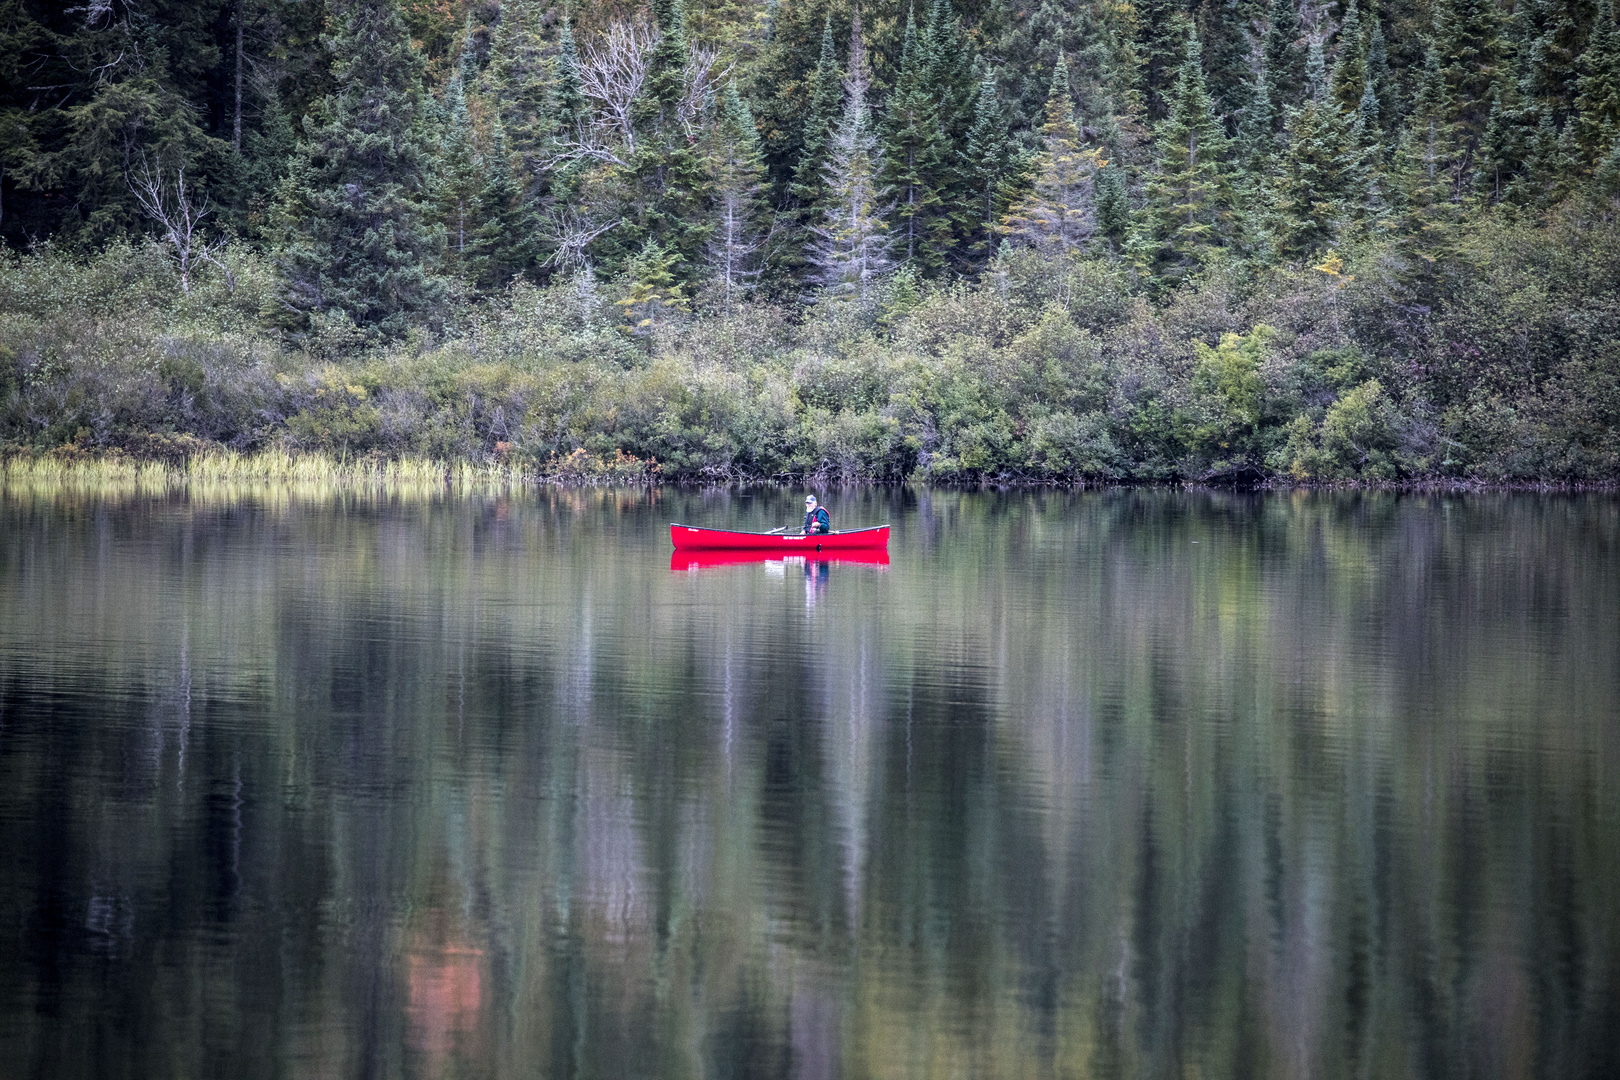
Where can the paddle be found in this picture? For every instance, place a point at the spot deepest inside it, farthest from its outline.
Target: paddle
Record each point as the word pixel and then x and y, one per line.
pixel 778 529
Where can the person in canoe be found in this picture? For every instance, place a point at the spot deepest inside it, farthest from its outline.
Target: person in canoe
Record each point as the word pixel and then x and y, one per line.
pixel 815 517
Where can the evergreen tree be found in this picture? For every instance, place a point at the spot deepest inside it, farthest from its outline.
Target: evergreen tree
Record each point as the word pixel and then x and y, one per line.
pixel 1379 78
pixel 506 243
pixel 1316 77
pixel 654 295
pixel 1322 181
pixel 1161 32
pixel 809 187
pixel 1059 215
pixel 1349 77
pixel 459 177
pixel 1189 197
pixel 1468 42
pixel 1598 100
pixel 1284 60
pixel 1424 168
pixel 1113 205
pixel 914 157
pixel 666 71
pixel 1223 30
pixel 851 249
pixel 989 159
pixel 737 178
pixel 570 94
pixel 355 236
pixel 521 82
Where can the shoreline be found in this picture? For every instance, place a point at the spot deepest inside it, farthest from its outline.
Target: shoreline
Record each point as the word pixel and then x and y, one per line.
pixel 213 466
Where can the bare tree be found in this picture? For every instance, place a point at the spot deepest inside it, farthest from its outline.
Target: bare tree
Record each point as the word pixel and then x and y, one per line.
pixel 612 75
pixel 179 213
pixel 701 81
pixel 571 234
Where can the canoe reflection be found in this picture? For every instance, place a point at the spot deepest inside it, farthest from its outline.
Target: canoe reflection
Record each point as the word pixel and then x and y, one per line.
pixel 708 560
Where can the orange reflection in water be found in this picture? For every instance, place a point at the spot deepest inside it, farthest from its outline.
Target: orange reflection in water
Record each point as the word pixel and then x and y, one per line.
pixel 445 980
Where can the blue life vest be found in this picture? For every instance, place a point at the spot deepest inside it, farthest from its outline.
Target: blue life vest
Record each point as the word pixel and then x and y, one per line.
pixel 817 521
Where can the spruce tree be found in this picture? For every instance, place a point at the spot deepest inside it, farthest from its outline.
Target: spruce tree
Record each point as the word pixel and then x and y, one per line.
pixel 1349 77
pixel 654 294
pixel 459 177
pixel 1424 168
pixel 355 236
pixel 506 243
pixel 1161 33
pixel 570 94
pixel 914 159
pixel 1188 194
pixel 1223 30
pixel 1113 205
pixel 521 83
pixel 808 188
pixel 737 177
pixel 1284 60
pixel 1322 183
pixel 1598 100
pixel 1059 215
pixel 1468 42
pixel 989 157
pixel 1379 77
pixel 852 243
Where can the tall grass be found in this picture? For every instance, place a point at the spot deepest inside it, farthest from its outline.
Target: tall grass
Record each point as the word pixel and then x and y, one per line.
pixel 226 474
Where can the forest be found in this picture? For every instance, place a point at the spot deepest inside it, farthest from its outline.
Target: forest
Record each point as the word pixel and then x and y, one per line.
pixel 1002 241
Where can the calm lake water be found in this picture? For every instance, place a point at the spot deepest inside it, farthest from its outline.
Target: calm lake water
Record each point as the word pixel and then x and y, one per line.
pixel 1121 784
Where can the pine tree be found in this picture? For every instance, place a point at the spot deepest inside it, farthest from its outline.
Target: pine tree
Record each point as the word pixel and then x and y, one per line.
pixel 809 188
pixel 989 158
pixel 914 153
pixel 738 177
pixel 355 234
pixel 1059 215
pixel 1188 196
pixel 1598 100
pixel 851 249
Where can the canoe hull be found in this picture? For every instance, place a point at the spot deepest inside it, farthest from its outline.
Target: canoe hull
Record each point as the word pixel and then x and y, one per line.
pixel 689 538
pixel 692 559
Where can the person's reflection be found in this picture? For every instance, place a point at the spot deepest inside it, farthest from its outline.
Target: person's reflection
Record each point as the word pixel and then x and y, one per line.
pixel 815 581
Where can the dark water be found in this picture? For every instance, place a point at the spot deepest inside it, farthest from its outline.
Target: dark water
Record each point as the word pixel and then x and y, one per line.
pixel 1118 784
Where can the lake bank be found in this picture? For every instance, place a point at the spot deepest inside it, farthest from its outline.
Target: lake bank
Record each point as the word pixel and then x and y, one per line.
pixel 201 465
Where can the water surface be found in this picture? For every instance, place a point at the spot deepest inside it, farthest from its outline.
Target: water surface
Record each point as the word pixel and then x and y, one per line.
pixel 1120 784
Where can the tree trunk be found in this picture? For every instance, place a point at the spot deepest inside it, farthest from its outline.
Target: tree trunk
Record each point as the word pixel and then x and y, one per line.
pixel 236 125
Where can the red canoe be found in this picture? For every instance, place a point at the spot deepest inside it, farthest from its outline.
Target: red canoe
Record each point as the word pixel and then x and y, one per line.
pixel 688 538
pixel 710 558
